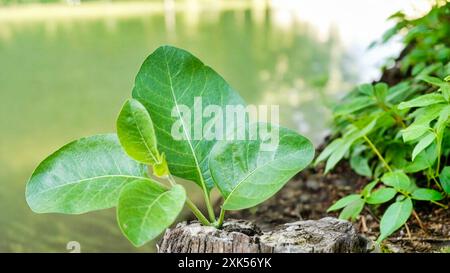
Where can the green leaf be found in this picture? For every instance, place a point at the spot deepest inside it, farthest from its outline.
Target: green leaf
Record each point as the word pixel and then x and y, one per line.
pixel 352 210
pixel 344 201
pixel 417 68
pixel 421 124
pixel 400 92
pixel 136 133
pixel 444 178
pixel 381 90
pixel 366 89
pixel 397 179
pixel 445 89
pixel 441 123
pixel 424 100
pixel 381 196
pixel 170 84
pixel 353 105
pixel 247 174
pixel 429 69
pixel 394 217
pixel 338 154
pixel 329 150
pixel 423 143
pixel 432 80
pixel 82 176
pixel 161 169
pixel 423 160
pixel 427 195
pixel 360 165
pixel 146 208
pixel 366 191
pixel 414 131
pixel 353 134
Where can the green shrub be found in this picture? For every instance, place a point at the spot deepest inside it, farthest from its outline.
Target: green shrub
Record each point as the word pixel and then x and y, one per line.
pixel 396 133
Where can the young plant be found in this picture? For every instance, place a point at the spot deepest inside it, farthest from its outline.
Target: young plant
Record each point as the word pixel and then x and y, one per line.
pixel 397 132
pixel 155 129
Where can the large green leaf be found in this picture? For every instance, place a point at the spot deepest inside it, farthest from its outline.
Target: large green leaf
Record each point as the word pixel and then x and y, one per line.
pixel 167 85
pixel 82 176
pixel 136 133
pixel 247 175
pixel 394 217
pixel 147 208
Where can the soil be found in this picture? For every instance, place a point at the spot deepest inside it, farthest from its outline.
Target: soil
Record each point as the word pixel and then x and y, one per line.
pixel 310 193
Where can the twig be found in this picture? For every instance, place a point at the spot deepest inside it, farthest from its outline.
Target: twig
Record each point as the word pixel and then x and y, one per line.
pixel 408 231
pixel 419 221
pixel 363 224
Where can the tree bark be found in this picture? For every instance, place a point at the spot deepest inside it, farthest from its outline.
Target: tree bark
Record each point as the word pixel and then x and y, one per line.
pixel 328 235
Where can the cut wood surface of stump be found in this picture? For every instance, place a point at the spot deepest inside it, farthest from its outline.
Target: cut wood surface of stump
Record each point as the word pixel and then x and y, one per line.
pixel 328 235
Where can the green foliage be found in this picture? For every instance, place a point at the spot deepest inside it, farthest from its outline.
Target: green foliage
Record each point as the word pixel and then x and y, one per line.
pixel 397 132
pixel 82 176
pixel 247 175
pixel 107 171
pixel 146 208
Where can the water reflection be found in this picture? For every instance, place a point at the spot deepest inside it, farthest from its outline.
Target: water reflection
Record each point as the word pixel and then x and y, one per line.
pixel 64 78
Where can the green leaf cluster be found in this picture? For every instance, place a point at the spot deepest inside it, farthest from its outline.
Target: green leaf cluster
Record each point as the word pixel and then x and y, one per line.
pixel 106 171
pixel 396 132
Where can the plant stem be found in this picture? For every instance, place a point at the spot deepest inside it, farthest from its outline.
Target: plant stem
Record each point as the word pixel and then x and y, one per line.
pixel 197 213
pixel 435 181
pixel 419 221
pixel 408 231
pixel 439 151
pixel 212 216
pixel 439 204
pixel 191 205
pixel 221 218
pixel 375 150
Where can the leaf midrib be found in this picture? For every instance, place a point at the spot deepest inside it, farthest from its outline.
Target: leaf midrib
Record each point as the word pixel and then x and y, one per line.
pixel 251 173
pixel 150 206
pixel 182 122
pixel 142 137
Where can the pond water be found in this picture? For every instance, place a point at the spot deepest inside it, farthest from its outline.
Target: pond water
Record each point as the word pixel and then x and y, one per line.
pixel 64 78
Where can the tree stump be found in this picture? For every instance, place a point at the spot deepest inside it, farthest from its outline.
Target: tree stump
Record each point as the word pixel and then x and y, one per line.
pixel 328 235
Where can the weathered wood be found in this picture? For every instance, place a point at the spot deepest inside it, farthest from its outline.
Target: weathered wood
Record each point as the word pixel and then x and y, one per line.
pixel 237 236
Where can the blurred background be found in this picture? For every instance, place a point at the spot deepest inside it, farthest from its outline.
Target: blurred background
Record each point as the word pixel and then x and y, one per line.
pixel 66 67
